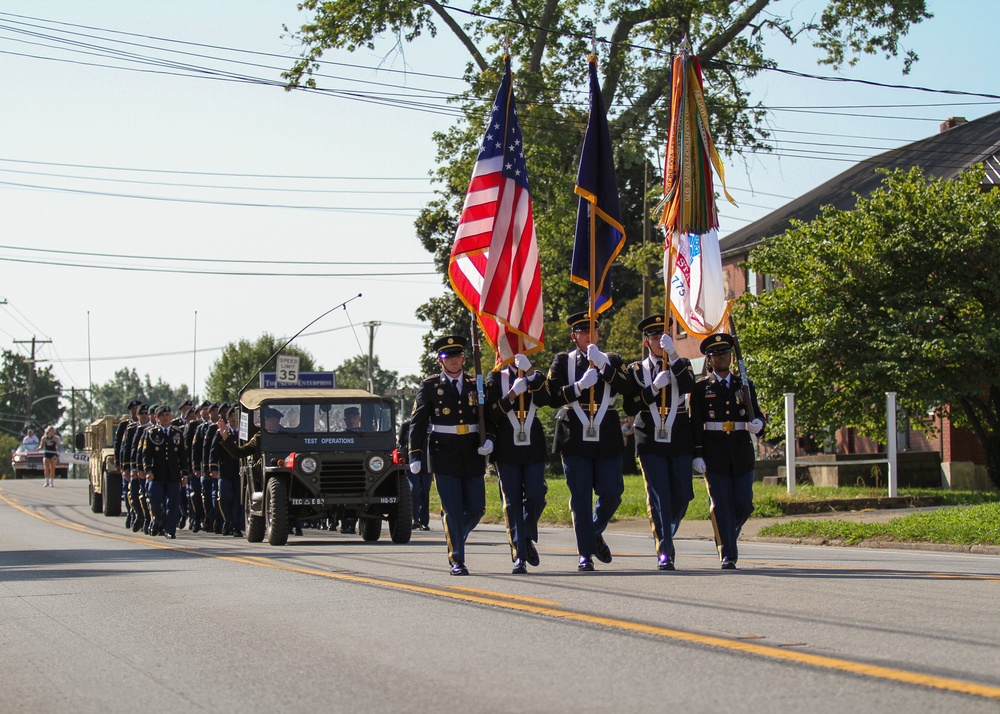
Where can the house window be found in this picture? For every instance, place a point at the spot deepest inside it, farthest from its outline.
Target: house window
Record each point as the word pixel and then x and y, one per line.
pixel 751 282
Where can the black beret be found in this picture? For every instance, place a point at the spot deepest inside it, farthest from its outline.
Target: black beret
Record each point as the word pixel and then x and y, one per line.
pixel 143 409
pixel 450 345
pixel 163 409
pixel 652 325
pixel 204 404
pixel 185 403
pixel 133 403
pixel 717 344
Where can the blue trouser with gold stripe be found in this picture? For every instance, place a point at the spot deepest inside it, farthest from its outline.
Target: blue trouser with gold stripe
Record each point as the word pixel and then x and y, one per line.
pixel 732 504
pixel 585 477
pixel 463 501
pixel 522 488
pixel 668 493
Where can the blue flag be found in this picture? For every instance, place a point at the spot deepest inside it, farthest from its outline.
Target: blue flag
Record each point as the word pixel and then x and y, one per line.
pixel 597 187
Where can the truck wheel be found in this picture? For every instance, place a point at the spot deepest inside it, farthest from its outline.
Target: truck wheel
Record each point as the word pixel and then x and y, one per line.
pixel 370 527
pixel 254 523
pixel 401 517
pixel 93 498
pixel 277 512
pixel 111 489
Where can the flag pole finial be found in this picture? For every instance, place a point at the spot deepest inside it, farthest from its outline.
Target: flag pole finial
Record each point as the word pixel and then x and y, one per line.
pixel 685 45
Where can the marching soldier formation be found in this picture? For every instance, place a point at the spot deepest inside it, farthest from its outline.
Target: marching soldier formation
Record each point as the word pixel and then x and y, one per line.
pixel 184 470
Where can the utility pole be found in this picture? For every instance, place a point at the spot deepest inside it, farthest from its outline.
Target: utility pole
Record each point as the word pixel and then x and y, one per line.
pixel 31 375
pixel 371 347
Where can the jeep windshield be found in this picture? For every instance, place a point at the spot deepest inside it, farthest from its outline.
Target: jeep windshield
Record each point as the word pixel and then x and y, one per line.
pixel 329 418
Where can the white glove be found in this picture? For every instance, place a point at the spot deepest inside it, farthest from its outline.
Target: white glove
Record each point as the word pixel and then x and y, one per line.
pixel 589 379
pixel 756 426
pixel 519 386
pixel 414 467
pixel 486 449
pixel 667 344
pixel 522 363
pixel 595 355
pixel 699 465
pixel 662 379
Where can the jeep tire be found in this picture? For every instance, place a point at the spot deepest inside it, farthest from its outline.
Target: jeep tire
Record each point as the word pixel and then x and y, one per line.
pixel 94 498
pixel 111 493
pixel 276 510
pixel 401 517
pixel 370 527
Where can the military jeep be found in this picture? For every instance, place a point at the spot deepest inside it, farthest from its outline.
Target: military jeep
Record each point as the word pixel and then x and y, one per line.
pixel 105 489
pixel 319 452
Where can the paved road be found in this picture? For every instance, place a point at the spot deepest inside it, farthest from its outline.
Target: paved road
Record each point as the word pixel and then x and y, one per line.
pixel 96 619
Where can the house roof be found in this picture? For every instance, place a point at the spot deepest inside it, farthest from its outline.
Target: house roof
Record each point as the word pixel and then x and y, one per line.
pixel 943 155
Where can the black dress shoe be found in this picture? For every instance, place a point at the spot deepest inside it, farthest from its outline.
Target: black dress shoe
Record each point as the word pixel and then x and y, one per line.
pixel 183 522
pixel 138 525
pixel 458 568
pixel 425 528
pixel 586 565
pixel 664 562
pixel 237 533
pixel 603 551
pixel 728 564
pixel 531 554
pixel 195 526
pixel 298 531
pixel 520 567
pixel 170 536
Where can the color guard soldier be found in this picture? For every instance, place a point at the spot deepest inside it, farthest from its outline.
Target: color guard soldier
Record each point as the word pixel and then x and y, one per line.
pixel 663 436
pixel 513 395
pixel 165 463
pixel 444 439
pixel 584 383
pixel 723 449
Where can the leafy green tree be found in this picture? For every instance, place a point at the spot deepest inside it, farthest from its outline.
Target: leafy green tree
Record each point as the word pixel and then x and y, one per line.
pixel 549 42
pixel 241 361
pixel 353 374
pixel 14 404
pixel 898 295
pixel 126 385
pixel 8 443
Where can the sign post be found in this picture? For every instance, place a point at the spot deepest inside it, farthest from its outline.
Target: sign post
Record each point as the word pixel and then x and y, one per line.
pixel 287 373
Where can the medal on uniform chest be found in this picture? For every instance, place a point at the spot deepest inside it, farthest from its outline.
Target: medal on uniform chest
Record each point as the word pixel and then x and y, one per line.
pixel 440 392
pixel 711 415
pixel 743 412
pixel 472 399
pixel 437 412
pixel 446 411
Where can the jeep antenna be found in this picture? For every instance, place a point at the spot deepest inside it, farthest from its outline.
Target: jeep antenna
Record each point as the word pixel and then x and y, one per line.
pixel 289 341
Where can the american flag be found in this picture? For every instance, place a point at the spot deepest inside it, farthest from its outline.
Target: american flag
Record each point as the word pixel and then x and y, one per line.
pixel 494 265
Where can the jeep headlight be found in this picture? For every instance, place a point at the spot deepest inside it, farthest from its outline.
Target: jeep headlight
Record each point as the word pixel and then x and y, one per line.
pixel 308 465
pixel 376 463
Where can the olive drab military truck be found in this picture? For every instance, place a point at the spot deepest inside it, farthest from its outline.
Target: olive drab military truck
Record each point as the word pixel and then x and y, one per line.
pixel 320 452
pixel 105 489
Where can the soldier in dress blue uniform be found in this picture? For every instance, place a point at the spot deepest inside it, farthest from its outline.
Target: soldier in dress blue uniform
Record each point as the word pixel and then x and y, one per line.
pixel 662 433
pixel 444 439
pixel 121 460
pixel 420 484
pixel 196 506
pixel 584 383
pixel 513 394
pixel 200 462
pixel 165 463
pixel 230 503
pixel 723 449
pixel 137 478
pixel 180 421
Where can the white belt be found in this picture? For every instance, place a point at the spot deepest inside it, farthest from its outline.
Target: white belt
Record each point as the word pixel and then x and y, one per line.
pixel 726 426
pixel 458 429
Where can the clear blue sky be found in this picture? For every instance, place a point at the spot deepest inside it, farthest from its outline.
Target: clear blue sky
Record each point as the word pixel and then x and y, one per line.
pixel 73 125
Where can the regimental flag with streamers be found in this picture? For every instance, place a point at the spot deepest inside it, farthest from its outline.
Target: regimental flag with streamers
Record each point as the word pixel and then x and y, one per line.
pixel 692 262
pixel 494 265
pixel 595 249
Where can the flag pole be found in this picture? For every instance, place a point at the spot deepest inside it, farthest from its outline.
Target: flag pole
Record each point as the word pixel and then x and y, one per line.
pixel 477 364
pixel 592 299
pixel 521 415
